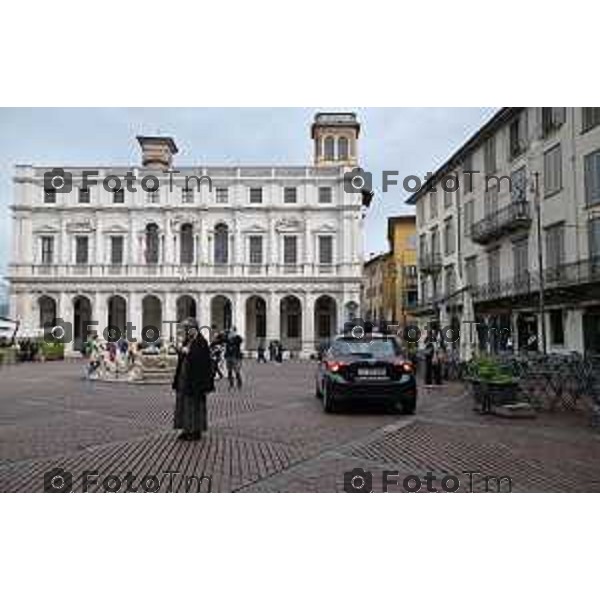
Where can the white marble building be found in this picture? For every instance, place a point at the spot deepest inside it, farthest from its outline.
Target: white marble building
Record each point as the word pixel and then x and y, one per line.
pixel 275 251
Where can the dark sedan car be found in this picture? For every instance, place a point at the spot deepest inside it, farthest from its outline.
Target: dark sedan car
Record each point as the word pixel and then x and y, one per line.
pixel 369 372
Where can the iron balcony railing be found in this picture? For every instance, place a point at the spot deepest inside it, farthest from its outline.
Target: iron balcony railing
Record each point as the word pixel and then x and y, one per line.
pixel 516 215
pixel 430 262
pixel 566 275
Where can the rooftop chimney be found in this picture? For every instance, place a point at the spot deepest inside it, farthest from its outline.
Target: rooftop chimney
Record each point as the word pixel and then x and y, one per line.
pixel 157 151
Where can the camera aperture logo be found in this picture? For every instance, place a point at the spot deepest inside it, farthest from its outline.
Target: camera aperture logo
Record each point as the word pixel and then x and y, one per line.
pixel 59 480
pixel 358 480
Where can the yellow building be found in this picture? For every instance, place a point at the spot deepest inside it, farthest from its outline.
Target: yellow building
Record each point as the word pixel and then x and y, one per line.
pixel 390 279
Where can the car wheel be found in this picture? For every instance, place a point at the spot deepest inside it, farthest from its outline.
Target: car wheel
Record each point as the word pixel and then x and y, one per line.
pixel 328 399
pixel 318 392
pixel 408 408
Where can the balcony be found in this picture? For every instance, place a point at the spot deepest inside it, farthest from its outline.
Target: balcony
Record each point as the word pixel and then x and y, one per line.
pixel 430 262
pixel 574 281
pixel 511 218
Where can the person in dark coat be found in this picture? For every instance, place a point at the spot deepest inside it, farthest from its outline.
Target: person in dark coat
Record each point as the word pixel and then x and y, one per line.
pixel 429 353
pixel 194 378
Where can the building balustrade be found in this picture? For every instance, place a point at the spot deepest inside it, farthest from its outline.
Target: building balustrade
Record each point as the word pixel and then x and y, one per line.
pixel 173 271
pixel 516 215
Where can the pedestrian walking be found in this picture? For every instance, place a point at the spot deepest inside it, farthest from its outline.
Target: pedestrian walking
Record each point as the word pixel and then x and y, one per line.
pixel 192 382
pixel 428 355
pixel 261 352
pixel 233 358
pixel 94 357
pixel 216 354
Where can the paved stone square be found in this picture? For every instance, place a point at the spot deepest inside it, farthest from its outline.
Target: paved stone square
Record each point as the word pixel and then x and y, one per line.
pixel 274 437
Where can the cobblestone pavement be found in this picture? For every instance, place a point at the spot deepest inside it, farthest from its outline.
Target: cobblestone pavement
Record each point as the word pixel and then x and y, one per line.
pixel 273 437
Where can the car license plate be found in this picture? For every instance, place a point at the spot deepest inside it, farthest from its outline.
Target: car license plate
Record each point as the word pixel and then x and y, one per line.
pixel 372 373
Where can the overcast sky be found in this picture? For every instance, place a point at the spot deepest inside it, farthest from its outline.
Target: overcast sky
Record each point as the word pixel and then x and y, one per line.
pixel 408 140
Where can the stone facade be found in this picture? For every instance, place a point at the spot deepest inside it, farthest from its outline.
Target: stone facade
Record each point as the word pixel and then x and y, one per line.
pixel 274 251
pixel 479 246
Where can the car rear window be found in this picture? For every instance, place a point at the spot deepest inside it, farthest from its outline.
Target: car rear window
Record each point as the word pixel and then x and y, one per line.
pixel 375 348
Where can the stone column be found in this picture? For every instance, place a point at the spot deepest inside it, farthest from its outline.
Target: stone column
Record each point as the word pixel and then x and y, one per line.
pixel 169 314
pixel 134 311
pixel 308 325
pixel 239 313
pixel 100 314
pixel 204 317
pixel 273 320
pixel 64 311
pixel 99 242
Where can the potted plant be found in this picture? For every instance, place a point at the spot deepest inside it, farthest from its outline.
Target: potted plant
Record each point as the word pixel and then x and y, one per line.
pixel 493 384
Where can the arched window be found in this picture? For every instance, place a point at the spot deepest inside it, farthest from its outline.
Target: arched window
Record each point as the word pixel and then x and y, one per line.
pixel 152 244
pixel 221 253
pixel 186 244
pixel 343 148
pixel 329 151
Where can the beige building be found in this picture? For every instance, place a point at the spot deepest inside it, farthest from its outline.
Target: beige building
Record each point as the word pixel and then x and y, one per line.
pixel 390 279
pixel 533 192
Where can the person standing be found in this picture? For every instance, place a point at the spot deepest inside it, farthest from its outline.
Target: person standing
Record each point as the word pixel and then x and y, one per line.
pixel 192 382
pixel 233 358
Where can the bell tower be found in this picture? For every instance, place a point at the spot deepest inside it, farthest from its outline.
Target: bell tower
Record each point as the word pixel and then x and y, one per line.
pixel 335 138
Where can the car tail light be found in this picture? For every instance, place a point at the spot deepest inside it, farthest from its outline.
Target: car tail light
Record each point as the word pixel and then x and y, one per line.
pixel 335 365
pixel 403 367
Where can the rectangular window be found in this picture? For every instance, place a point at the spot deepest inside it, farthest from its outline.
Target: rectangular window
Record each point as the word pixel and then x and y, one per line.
pixel 590 117
pixel 450 282
pixel 447 199
pixel 518 135
pixel 290 195
pixel 81 249
pixel 256 250
pixel 50 196
pixel 552 170
pixel 187 195
pixel 489 156
pixel 84 196
pixel 469 217
pixel 119 196
pixel 435 242
pixel 552 119
pixel 325 249
pixel 494 266
pixel 449 236
pixel 521 262
pixel 116 250
pixel 592 178
pixel 290 250
pixel 594 239
pixel 256 195
pixel 555 246
pixel 433 212
pixel 518 186
pixel 557 329
pixel 420 212
pixel 47 250
pixel 423 244
pixel 490 204
pixel 471 271
pixel 325 195
pixel 222 195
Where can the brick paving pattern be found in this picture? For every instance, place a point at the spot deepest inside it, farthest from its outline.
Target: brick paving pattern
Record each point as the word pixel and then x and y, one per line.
pixel 272 437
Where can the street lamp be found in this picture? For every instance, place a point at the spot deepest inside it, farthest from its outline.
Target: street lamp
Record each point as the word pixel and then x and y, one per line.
pixel 538 214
